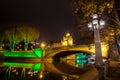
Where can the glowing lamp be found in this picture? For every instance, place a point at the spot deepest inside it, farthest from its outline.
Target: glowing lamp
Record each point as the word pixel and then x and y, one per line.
pixel 95 21
pixel 95 16
pixel 102 22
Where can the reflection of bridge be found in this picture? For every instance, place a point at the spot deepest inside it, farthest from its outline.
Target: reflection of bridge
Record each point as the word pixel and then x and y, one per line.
pixel 50 67
pixel 83 48
pixel 71 71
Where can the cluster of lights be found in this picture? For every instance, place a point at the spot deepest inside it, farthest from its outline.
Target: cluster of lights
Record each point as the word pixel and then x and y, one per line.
pixel 81 59
pixel 18 47
pixel 67 40
pixel 31 73
pixel 96 22
pixel 14 70
pixel 81 56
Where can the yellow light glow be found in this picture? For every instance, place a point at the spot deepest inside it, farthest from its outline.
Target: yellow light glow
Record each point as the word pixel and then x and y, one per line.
pixel 67 34
pixel 64 43
pixel 104 48
pixel 43 45
pixel 71 42
pixel 41 75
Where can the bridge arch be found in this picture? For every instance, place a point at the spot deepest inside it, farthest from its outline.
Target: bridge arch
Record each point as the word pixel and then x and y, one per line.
pixel 84 48
pixel 70 52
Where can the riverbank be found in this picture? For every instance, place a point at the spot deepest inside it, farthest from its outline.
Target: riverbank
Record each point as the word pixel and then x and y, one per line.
pixel 36 53
pixel 114 71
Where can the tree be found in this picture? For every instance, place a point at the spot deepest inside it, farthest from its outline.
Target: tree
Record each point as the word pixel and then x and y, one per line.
pixel 1 39
pixel 28 34
pixel 115 20
pixel 85 8
pixel 12 35
pixel 89 7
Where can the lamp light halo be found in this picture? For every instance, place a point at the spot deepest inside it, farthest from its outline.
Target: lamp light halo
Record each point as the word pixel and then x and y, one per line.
pixel 90 25
pixel 102 22
pixel 95 21
pixel 94 16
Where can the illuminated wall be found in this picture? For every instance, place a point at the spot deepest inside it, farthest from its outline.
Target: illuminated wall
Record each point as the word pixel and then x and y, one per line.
pixel 36 53
pixel 91 49
pixel 67 40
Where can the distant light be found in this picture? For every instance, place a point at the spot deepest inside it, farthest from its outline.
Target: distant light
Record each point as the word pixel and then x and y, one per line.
pixel 41 75
pixel 90 25
pixel 119 45
pixel 43 45
pixel 102 22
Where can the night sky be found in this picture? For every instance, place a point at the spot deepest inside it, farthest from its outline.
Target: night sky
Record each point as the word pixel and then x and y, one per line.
pixel 52 17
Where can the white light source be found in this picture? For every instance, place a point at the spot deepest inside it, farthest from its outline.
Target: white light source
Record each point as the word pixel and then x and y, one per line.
pixel 90 25
pixel 102 22
pixel 95 21
pixel 95 16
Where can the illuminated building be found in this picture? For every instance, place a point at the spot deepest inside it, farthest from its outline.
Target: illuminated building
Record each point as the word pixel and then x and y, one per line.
pixel 67 40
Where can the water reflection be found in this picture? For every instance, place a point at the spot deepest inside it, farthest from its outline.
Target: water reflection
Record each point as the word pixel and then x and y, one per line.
pixel 65 69
pixel 19 71
pixel 27 71
pixel 78 60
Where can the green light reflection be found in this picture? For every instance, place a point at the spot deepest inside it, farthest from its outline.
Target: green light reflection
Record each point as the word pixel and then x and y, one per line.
pixel 36 67
pixel 19 54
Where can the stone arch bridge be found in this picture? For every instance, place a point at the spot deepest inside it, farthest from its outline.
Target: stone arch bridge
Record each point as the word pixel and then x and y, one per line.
pixel 81 48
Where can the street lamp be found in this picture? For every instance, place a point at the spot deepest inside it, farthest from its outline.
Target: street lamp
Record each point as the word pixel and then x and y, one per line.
pixel 95 25
pixel 43 45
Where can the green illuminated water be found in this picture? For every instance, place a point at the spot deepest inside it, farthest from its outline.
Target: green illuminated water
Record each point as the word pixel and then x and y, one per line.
pixel 35 67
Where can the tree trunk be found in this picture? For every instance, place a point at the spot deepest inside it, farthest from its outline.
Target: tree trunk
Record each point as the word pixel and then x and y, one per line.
pixel 25 45
pixel 0 47
pixel 117 23
pixel 12 44
pixel 116 40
